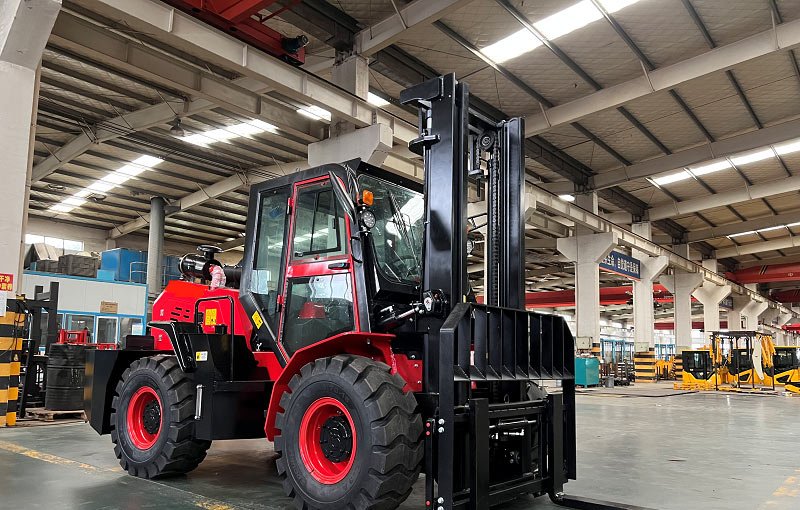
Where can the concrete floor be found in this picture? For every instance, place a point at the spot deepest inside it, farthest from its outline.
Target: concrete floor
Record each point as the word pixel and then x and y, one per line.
pixel 692 451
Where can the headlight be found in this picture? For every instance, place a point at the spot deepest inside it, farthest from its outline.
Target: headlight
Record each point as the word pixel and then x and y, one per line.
pixel 368 218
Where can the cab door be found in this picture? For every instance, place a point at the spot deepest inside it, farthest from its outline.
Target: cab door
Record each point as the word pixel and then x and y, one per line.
pixel 319 291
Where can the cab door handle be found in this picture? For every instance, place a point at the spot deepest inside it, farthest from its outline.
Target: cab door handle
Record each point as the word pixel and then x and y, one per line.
pixel 339 265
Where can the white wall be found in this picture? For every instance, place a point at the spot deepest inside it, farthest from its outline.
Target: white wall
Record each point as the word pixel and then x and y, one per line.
pixel 86 294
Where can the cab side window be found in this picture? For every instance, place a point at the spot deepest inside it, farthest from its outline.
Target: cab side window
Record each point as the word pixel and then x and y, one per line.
pixel 319 226
pixel 265 282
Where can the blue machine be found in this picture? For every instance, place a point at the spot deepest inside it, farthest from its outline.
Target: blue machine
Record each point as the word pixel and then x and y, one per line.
pixel 587 372
pixel 127 265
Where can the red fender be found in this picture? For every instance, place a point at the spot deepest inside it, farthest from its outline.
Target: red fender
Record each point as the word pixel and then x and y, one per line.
pixel 376 346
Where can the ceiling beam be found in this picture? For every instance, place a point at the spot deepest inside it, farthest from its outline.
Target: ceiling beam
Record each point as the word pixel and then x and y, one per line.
pixel 770 41
pixel 742 226
pixel 719 149
pixel 758 247
pixel 171 26
pixel 205 194
pixel 97 43
pixel 403 23
pixel 743 194
pixel 595 223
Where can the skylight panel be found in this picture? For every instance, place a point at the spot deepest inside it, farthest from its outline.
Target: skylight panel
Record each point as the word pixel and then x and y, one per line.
pixel 315 112
pixel 147 161
pixel 512 46
pixel 669 179
pixel 198 139
pixel 131 170
pixel 264 126
pixel 568 20
pixel 74 201
pixel 788 148
pixel 376 100
pixel 552 27
pixel 710 168
pixel 116 178
pixel 101 186
pixel 753 157
pixel 107 183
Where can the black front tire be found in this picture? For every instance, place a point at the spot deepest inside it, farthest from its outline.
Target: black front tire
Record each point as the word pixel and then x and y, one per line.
pixel 174 450
pixel 388 435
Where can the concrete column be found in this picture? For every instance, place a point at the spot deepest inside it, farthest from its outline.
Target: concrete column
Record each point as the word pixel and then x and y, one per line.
pixel 745 313
pixel 650 268
pixel 681 285
pixel 586 251
pixel 155 246
pixel 710 296
pixel 25 26
pixel 351 72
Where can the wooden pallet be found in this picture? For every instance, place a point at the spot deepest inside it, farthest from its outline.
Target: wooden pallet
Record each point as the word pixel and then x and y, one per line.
pixel 42 414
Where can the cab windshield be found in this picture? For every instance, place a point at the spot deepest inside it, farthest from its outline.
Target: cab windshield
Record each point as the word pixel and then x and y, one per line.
pixel 399 229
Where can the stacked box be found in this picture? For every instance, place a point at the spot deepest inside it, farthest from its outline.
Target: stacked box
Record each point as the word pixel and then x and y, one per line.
pixel 47 266
pixel 78 265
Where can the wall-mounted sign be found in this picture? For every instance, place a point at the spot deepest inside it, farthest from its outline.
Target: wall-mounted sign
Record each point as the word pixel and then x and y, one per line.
pixel 109 307
pixel 6 282
pixel 622 264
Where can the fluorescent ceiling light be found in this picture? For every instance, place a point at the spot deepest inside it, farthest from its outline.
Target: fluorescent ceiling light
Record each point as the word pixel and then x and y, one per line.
pixel 794 224
pixel 710 168
pixel 315 112
pixel 567 198
pixel 779 227
pixel 376 100
pixel 753 157
pixel 669 179
pixel 552 27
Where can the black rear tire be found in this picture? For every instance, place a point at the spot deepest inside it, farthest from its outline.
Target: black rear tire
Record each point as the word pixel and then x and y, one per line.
pixel 172 448
pixel 387 435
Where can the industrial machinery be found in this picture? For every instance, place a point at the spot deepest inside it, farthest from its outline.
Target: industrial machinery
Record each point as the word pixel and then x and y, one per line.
pixel 350 342
pixel 785 360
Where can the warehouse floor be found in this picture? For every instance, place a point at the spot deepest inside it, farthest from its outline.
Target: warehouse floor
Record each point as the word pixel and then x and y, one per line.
pixel 704 451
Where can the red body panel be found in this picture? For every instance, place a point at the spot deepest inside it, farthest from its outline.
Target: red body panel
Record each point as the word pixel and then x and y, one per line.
pixel 177 302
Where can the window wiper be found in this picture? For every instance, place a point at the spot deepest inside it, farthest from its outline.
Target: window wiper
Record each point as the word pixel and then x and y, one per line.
pixel 401 224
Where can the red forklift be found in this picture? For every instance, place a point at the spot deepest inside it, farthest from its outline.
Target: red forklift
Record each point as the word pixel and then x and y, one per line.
pixel 347 338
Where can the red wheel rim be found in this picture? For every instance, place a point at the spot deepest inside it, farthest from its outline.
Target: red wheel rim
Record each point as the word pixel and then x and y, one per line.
pixel 144 418
pixel 315 451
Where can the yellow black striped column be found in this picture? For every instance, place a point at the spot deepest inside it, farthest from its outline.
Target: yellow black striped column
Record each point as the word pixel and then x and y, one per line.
pixel 12 327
